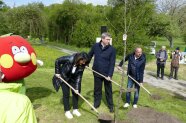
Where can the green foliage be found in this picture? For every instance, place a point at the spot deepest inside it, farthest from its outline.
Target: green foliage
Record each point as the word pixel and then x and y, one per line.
pixel 3 7
pixel 136 17
pixel 181 20
pixel 53 28
pixel 158 25
pixel 62 20
pixel 84 34
pixel 184 38
pixel 88 26
pixel 71 24
pixel 3 26
pixel 26 20
pixel 162 25
pixel 75 23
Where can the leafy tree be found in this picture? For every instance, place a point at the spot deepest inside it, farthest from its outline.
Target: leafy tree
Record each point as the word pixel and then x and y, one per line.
pixel 170 8
pixel 3 6
pixel 27 20
pixel 138 12
pixel 181 20
pixel 53 28
pixel 88 26
pixel 3 25
pixel 162 25
pixel 63 18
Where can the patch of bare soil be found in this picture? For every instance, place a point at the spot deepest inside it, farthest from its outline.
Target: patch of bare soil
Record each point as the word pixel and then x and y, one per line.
pixel 156 97
pixel 148 115
pixel 105 117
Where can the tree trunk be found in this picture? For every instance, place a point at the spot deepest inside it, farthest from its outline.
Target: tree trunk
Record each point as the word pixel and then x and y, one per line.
pixel 171 43
pixel 170 39
pixel 66 39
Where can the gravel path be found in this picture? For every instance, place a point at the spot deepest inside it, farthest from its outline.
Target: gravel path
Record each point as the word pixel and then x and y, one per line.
pixel 176 86
pixel 61 49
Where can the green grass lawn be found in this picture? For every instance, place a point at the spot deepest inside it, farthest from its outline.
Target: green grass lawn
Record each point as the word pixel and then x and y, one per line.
pixel 177 42
pixel 70 47
pixel 49 108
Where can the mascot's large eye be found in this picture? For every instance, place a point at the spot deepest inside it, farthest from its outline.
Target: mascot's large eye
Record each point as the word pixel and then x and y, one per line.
pixel 23 49
pixel 15 50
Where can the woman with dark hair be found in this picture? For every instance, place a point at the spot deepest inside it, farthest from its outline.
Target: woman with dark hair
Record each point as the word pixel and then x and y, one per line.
pixel 71 68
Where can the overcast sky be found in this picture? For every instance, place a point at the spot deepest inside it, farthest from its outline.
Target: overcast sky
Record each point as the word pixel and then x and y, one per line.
pixel 48 2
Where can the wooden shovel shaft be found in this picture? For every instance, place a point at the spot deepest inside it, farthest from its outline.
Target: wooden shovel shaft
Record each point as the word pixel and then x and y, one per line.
pixel 140 85
pixel 103 76
pixel 80 95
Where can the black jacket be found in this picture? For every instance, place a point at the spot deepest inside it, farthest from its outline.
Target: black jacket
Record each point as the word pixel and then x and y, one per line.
pixel 135 67
pixel 64 65
pixel 104 59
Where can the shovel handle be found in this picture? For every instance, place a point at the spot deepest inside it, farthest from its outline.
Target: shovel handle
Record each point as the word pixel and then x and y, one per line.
pixel 79 95
pixel 103 76
pixel 140 85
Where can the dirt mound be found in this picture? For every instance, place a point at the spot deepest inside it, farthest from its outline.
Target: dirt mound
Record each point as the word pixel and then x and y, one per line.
pixel 104 117
pixel 148 115
pixel 156 97
pixel 144 115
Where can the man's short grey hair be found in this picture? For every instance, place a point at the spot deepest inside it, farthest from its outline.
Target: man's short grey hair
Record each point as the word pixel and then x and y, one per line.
pixel 105 34
pixel 137 49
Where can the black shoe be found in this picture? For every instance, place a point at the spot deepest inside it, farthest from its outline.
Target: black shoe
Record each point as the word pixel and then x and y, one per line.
pixel 111 110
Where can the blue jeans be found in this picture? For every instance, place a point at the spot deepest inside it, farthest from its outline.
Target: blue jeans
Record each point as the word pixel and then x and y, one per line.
pixel 136 94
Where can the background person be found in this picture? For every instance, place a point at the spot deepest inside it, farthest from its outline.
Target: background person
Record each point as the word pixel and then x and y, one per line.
pixel 176 57
pixel 161 57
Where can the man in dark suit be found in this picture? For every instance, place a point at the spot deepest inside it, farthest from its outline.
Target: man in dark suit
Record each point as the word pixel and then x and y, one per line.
pixel 104 62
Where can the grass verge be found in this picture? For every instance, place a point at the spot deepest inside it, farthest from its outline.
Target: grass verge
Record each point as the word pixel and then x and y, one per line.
pixel 49 107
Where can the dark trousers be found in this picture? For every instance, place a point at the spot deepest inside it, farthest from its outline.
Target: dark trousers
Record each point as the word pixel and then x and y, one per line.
pixel 98 91
pixel 136 94
pixel 160 67
pixel 174 69
pixel 66 96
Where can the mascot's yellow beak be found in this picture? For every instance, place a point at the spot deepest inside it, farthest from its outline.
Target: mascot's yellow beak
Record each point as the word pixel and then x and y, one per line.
pixel 22 57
